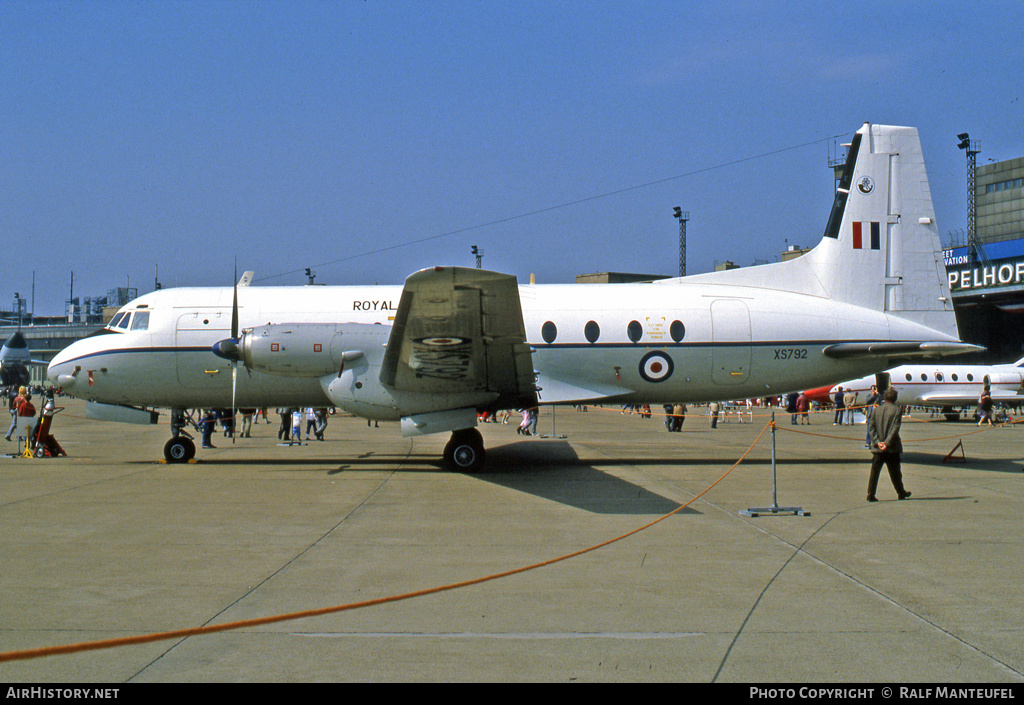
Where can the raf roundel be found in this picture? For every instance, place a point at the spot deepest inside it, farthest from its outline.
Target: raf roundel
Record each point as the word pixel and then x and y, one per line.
pixel 445 342
pixel 656 366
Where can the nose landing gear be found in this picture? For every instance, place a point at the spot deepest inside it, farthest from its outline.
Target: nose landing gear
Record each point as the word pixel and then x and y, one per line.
pixel 180 448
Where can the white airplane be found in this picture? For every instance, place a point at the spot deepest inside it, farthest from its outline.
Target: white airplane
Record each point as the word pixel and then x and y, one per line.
pixel 945 386
pixel 15 359
pixel 454 341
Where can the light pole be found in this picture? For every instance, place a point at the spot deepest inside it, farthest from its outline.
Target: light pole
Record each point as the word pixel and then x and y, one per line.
pixel 972 152
pixel 682 217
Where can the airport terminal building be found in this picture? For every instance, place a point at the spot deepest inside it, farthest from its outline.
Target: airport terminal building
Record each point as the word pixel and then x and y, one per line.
pixel 986 277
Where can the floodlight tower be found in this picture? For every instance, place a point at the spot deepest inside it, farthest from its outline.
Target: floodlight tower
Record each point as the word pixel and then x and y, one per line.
pixel 972 153
pixel 682 216
pixel 479 254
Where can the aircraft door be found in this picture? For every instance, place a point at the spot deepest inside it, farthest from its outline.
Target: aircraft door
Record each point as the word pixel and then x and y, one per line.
pixel 194 336
pixel 882 381
pixel 730 332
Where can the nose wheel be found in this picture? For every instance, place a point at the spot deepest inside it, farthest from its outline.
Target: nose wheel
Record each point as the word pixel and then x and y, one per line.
pixel 465 451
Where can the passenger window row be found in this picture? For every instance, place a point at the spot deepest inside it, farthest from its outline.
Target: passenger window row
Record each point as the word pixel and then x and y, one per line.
pixel 592 331
pixel 938 377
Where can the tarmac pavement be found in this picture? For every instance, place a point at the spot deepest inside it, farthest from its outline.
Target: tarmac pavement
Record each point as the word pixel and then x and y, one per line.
pixel 111 542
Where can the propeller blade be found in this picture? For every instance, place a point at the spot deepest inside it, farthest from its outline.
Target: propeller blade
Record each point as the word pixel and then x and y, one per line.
pixel 234 308
pixel 234 404
pixel 235 354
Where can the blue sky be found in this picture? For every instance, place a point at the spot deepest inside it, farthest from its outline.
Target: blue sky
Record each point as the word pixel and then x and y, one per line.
pixel 369 139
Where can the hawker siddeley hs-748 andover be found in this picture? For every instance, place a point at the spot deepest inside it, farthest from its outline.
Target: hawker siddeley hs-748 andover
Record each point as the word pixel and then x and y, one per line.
pixel 453 341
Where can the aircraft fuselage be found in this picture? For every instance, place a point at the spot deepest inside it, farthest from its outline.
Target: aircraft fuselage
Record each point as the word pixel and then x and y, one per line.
pixel 628 343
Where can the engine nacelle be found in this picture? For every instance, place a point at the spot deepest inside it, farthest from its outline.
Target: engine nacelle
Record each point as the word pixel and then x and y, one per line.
pixel 358 391
pixel 1004 379
pixel 308 349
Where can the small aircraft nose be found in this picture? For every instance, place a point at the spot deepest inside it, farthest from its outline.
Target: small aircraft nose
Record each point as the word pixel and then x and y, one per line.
pixel 822 395
pixel 60 373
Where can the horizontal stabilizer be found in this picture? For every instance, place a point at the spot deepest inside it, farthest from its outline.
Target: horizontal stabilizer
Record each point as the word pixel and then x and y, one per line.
pixel 899 350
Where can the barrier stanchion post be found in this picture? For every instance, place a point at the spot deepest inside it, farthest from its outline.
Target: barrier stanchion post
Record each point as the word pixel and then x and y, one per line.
pixel 775 509
pixel 554 433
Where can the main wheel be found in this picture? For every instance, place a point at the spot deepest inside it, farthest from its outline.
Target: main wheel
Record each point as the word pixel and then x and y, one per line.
pixel 465 451
pixel 179 450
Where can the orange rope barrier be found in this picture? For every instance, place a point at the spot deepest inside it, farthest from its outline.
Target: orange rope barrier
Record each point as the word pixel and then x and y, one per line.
pixel 27 654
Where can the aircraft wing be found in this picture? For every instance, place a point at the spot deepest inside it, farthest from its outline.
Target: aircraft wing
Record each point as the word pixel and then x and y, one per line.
pixel 460 331
pixel 909 351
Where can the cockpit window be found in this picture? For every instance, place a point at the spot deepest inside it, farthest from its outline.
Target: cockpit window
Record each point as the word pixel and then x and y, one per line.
pixel 123 323
pixel 141 320
pixel 115 320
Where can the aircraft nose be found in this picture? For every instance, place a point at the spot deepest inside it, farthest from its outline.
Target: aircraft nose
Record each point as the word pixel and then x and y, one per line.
pixel 822 395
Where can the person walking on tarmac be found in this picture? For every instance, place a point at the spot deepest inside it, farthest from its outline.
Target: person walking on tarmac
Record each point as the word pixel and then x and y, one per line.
pixel 803 405
pixel 208 423
pixel 296 427
pixel 985 407
pixel 869 406
pixel 284 432
pixel 13 408
pixel 26 416
pixel 791 406
pixel 886 445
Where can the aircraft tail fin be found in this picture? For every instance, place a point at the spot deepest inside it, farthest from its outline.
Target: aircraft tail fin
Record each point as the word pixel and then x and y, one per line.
pixel 881 248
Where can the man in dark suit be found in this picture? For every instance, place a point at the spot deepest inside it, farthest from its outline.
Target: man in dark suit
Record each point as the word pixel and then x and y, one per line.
pixel 886 446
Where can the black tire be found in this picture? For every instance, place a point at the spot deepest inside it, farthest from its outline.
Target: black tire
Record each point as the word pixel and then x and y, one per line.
pixel 179 450
pixel 465 451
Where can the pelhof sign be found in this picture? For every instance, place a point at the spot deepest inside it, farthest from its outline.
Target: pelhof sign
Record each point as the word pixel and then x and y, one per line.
pixel 1004 268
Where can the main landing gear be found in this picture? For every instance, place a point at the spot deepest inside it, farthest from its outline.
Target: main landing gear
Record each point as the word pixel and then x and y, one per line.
pixel 465 451
pixel 180 449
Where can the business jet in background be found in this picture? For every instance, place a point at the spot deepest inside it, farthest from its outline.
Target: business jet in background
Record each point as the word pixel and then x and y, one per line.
pixel 453 341
pixel 15 360
pixel 946 386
